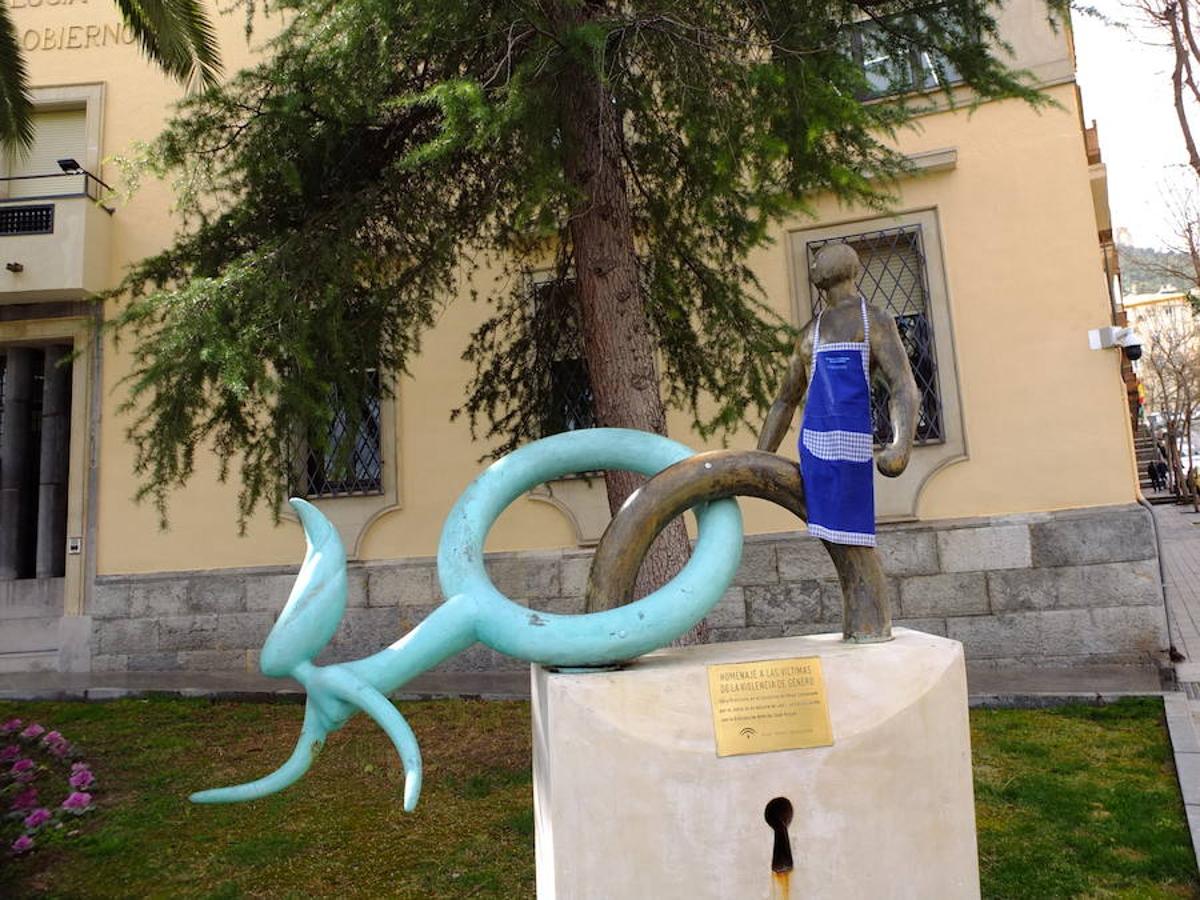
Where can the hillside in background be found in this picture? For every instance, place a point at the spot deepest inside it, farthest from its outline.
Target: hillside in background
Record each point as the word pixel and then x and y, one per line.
pixel 1145 270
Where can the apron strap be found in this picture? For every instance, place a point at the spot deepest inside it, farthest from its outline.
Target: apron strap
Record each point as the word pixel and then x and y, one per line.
pixel 865 320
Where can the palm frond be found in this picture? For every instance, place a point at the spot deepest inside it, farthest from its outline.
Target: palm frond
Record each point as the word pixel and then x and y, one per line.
pixel 16 109
pixel 177 35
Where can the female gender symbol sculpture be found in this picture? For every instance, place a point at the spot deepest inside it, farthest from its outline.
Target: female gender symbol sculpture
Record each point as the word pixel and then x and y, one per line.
pixel 476 610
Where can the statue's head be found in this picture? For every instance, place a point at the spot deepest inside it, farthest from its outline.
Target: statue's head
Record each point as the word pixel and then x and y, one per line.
pixel 834 264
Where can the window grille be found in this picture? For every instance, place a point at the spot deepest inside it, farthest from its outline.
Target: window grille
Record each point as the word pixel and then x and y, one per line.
pixel 351 463
pixel 895 279
pixel 570 404
pixel 27 219
pixel 897 67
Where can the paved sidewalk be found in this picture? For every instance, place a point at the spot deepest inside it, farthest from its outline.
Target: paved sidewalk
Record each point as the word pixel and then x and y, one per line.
pixel 1184 728
pixel 1179 531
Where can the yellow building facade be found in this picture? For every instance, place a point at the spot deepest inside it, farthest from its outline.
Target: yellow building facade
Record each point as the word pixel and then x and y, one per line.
pixel 1015 530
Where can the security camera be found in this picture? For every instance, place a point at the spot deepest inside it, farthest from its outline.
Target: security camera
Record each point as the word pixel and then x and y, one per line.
pixel 1127 339
pixel 1130 343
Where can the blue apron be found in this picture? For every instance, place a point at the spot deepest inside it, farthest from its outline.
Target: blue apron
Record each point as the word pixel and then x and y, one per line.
pixel 837 443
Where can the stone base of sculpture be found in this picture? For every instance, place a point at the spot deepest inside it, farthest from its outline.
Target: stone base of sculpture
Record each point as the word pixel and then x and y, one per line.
pixel 631 799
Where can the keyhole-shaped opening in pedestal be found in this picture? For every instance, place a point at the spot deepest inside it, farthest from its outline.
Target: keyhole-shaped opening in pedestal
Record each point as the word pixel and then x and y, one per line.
pixel 779 816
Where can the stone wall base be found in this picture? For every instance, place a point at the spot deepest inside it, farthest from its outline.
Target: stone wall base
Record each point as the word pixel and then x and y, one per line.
pixel 1057 589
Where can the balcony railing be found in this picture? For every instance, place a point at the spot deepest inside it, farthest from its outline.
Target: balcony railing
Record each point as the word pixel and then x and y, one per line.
pixel 23 209
pixel 79 183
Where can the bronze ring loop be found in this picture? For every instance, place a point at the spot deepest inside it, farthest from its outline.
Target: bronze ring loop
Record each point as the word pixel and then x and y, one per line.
pixel 697 479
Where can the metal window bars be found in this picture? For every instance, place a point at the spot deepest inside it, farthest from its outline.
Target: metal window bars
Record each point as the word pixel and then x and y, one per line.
pixel 351 461
pixel 27 219
pixel 895 278
pixel 569 402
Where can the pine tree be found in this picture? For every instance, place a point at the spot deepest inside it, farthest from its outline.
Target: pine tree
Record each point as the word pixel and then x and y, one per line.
pixel 338 191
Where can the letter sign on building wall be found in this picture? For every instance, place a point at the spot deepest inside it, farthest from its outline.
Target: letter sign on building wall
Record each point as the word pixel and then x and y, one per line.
pixel 71 34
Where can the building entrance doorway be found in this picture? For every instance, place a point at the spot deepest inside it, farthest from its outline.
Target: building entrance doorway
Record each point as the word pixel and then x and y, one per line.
pixel 35 435
pixel 36 387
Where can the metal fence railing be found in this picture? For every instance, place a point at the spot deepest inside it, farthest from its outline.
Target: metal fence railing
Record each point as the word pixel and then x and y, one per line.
pixel 23 206
pixel 68 183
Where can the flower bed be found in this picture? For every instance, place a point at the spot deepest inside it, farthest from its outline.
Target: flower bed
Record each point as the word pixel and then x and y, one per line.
pixel 44 786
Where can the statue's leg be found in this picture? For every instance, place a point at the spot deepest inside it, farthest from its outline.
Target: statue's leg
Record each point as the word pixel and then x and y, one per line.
pixel 866 607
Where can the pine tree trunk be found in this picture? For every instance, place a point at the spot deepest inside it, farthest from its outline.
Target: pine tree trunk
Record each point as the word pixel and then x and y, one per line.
pixel 617 342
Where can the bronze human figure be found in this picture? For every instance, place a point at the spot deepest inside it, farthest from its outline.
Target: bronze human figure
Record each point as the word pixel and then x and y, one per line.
pixel 848 320
pixel 724 473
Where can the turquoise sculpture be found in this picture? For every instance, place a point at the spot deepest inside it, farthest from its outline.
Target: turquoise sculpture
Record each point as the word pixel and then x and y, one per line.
pixel 475 610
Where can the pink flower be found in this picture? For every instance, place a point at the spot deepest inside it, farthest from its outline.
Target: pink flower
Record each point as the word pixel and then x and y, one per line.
pixel 10 726
pixel 78 767
pixel 22 765
pixel 78 802
pixel 26 799
pixel 81 780
pixel 33 731
pixel 37 818
pixel 9 753
pixel 58 749
pixel 22 844
pixel 53 737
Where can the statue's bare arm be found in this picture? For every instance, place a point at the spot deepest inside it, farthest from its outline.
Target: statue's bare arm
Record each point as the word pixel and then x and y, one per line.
pixel 791 393
pixel 889 355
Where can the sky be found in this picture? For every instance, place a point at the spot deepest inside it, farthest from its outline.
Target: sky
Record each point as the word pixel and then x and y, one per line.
pixel 1126 85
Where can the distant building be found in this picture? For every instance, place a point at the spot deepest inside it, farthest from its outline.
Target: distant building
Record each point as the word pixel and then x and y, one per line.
pixel 1146 310
pixel 1015 529
pixel 1167 324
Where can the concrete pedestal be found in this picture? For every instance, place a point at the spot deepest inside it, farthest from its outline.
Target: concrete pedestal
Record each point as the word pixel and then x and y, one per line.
pixel 631 800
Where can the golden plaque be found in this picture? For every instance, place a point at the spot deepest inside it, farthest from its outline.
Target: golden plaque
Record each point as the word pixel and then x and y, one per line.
pixel 772 704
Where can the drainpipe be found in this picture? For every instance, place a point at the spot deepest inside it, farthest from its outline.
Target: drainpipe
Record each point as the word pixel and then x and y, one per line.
pixel 1173 652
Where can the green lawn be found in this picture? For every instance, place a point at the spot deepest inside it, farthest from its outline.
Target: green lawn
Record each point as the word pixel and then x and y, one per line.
pixel 1078 801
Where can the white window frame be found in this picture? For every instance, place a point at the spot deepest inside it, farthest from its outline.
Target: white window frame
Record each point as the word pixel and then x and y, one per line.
pixel 88 97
